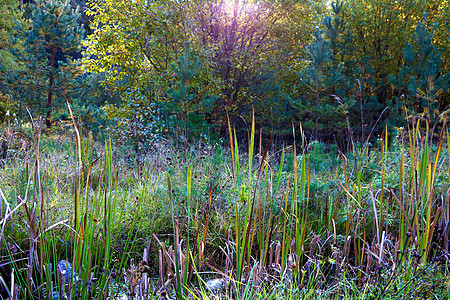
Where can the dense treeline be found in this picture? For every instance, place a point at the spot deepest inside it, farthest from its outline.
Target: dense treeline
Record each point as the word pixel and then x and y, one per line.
pixel 148 69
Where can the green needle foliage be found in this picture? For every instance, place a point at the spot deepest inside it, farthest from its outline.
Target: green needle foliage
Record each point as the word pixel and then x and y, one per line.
pixel 50 38
pixel 421 77
pixel 328 108
pixel 186 101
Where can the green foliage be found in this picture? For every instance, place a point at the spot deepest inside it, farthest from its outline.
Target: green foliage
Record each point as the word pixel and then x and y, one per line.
pixel 326 106
pixel 186 101
pixel 134 43
pixel 326 66
pixel 3 107
pixel 335 29
pixel 235 37
pixel 136 65
pixel 9 11
pixel 89 102
pixel 420 77
pixel 368 38
pixel 49 73
pixel 135 123
pixel 235 59
pixel 269 102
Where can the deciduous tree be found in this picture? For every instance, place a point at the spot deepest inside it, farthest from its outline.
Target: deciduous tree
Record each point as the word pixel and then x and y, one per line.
pixel 9 13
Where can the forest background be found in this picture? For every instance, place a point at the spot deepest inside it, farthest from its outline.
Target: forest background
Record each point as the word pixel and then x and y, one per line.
pixel 143 71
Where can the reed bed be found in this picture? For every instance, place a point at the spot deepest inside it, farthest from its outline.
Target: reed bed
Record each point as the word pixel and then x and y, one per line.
pixel 84 220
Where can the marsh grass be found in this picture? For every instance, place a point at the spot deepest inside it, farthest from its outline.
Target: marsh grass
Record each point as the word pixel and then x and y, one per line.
pixel 305 222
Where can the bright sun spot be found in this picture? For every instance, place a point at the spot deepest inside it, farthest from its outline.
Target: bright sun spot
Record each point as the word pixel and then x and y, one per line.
pixel 241 6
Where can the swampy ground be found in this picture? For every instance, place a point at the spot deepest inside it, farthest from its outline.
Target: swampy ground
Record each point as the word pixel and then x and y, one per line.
pixel 303 221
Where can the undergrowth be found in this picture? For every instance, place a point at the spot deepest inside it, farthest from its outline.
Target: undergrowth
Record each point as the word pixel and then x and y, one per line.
pixel 304 222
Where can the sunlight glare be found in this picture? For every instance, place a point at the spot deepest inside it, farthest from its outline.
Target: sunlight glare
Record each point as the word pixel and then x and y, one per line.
pixel 230 7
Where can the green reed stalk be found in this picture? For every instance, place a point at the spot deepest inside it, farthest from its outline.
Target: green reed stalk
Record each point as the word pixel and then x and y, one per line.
pixel 179 285
pixel 187 269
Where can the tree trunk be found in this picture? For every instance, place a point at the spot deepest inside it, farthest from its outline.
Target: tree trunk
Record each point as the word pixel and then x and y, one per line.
pixel 48 123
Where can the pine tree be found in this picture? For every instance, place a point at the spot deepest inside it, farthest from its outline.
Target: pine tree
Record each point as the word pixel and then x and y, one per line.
pixel 320 55
pixel 358 73
pixel 335 29
pixel 326 106
pixel 186 101
pixel 420 80
pixel 52 36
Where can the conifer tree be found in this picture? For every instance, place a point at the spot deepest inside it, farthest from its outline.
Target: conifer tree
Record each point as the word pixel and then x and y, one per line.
pixel 187 100
pixel 52 36
pixel 358 81
pixel 326 104
pixel 335 29
pixel 420 80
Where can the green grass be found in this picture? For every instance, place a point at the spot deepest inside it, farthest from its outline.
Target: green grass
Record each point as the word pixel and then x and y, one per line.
pixel 304 222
